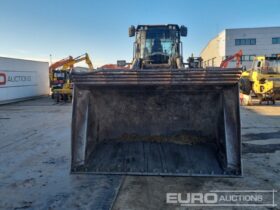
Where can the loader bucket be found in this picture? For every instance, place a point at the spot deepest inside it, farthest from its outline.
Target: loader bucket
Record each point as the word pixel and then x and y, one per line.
pixel 157 122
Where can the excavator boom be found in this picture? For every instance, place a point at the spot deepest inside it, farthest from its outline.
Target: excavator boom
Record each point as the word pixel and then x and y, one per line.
pixel 61 63
pixel 69 62
pixel 84 57
pixel 236 56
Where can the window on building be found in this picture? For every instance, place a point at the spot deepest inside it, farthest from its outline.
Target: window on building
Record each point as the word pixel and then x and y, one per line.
pixel 276 40
pixel 248 57
pixel 251 57
pixel 253 41
pixel 237 42
pixel 245 41
pixel 245 57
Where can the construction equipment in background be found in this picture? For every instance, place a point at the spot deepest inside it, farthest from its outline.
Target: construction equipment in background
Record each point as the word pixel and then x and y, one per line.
pixel 158 117
pixel 115 66
pixel 60 76
pixel 194 62
pixel 237 56
pixel 263 79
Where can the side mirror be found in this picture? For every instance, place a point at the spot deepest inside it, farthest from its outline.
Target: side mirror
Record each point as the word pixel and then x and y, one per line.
pixel 183 31
pixel 121 63
pixel 131 31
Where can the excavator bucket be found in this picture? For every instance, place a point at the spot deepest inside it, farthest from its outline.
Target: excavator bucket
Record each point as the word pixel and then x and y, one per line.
pixel 170 122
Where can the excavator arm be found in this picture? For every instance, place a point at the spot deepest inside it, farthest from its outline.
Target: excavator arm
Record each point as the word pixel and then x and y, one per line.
pixel 62 62
pixel 68 63
pixel 84 57
pixel 236 56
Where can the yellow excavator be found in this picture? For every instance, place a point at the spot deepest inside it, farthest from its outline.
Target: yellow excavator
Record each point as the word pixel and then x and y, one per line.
pixel 60 76
pixel 263 79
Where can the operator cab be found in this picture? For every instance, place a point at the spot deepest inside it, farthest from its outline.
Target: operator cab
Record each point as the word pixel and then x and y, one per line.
pixel 157 45
pixel 60 77
pixel 267 65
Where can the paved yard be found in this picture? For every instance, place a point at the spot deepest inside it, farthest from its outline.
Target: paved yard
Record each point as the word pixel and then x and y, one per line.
pixel 35 164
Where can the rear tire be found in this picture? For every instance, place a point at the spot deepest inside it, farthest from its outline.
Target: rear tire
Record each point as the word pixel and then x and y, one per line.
pixel 245 86
pixel 57 98
pixel 65 98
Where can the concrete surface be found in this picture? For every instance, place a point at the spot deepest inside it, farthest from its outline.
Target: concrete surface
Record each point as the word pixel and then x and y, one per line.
pixel 35 164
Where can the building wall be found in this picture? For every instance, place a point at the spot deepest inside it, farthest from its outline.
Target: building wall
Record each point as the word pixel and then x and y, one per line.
pixel 227 44
pixel 263 44
pixel 22 79
pixel 214 51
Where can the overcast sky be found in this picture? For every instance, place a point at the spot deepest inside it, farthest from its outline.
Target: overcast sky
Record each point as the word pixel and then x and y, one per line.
pixel 35 29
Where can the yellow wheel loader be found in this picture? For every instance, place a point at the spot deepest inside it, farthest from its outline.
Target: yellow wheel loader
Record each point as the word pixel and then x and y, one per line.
pixel 263 79
pixel 160 116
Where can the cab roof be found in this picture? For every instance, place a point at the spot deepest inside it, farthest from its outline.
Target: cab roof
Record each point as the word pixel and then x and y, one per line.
pixel 145 27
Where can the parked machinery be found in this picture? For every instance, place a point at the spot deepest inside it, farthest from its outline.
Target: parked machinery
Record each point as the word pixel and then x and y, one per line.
pixel 60 76
pixel 263 79
pixel 237 56
pixel 194 62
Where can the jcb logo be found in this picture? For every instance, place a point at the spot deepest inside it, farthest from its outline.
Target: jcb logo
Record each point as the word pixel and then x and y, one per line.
pixel 2 78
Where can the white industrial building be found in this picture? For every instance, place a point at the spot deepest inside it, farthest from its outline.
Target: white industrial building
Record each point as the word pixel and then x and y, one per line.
pixel 252 41
pixel 22 79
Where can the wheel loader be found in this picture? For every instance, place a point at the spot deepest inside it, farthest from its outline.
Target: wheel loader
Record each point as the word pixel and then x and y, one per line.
pixel 263 79
pixel 160 116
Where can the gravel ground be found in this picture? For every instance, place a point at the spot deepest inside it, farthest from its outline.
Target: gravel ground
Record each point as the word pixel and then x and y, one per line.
pixel 35 164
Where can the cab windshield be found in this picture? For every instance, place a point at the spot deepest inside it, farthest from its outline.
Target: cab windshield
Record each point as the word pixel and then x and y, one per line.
pixel 268 66
pixel 158 44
